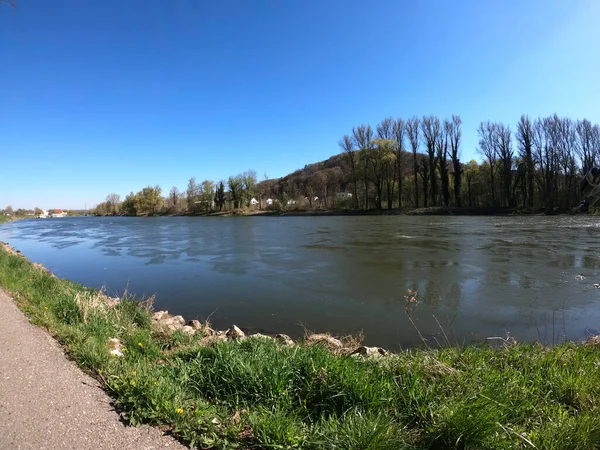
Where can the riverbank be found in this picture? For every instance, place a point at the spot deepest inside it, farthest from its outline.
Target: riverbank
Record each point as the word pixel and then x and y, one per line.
pixel 221 390
pixel 429 211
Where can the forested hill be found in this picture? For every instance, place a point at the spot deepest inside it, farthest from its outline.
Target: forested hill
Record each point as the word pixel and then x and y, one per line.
pixel 536 164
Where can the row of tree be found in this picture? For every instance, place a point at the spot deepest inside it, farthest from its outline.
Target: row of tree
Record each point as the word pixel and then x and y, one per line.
pixel 408 163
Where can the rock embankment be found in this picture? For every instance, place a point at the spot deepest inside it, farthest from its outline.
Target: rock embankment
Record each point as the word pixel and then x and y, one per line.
pixel 163 322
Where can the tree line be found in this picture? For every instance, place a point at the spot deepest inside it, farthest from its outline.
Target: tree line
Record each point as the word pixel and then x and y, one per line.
pixel 407 163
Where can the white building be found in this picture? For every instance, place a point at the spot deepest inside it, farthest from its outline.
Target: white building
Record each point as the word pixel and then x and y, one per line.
pixel 269 201
pixel 343 195
pixel 253 201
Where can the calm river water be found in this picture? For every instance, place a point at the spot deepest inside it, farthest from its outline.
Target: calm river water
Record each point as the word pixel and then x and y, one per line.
pixel 478 276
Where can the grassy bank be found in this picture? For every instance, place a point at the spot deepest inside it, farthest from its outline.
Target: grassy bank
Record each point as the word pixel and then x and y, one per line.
pixel 258 393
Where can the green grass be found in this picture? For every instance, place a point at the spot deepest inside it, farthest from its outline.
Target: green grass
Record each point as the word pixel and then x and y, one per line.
pixel 257 393
pixel 4 218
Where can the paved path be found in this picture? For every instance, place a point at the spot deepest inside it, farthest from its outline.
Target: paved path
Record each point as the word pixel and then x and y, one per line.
pixel 46 402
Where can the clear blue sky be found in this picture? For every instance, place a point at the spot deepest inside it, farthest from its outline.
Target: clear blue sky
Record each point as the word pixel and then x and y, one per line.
pixel 111 96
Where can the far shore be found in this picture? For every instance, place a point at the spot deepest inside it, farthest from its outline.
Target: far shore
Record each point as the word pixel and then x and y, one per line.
pixel 430 211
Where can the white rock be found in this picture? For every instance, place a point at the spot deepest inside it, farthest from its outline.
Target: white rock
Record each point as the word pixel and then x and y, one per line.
pixel 369 351
pixel 188 330
pixel 285 339
pixel 235 333
pixel 195 324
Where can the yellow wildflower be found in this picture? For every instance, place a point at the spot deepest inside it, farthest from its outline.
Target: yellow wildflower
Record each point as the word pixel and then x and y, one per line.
pixel 123 349
pixel 45 307
pixel 134 373
pixel 140 344
pixel 132 382
pixel 179 411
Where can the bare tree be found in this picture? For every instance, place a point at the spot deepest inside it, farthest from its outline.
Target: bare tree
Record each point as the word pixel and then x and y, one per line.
pixel 504 151
pixel 524 142
pixel 487 148
pixel 399 133
pixel 347 146
pixel 442 158
pixel 173 200
pixel 412 129
pixel 112 202
pixel 430 126
pixel 454 135
pixel 587 136
pixel 424 172
pixel 363 137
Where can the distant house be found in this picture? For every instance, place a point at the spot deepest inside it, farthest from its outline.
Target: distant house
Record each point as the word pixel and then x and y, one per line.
pixel 343 195
pixel 291 202
pixel 253 201
pixel 58 213
pixel 29 212
pixel 269 201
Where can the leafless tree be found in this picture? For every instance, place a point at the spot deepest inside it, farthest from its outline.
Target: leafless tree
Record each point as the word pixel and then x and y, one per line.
pixel 431 129
pixel 454 135
pixel 442 158
pixel 505 153
pixel 524 142
pixel 487 148
pixel 112 202
pixel 425 172
pixel 363 137
pixel 347 146
pixel 412 129
pixel 399 135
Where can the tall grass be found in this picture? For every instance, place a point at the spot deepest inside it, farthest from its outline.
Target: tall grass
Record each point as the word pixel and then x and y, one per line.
pixel 257 393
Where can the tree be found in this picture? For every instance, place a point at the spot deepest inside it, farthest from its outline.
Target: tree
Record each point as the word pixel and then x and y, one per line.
pixel 412 129
pixel 430 128
pixel 384 155
pixel 192 194
pixel 173 200
pixel 149 200
pixel 504 152
pixel 347 146
pixel 208 194
pixel 471 174
pixel 220 196
pixel 113 201
pixel 399 133
pixel 38 211
pixel 524 144
pixel 424 172
pixel 487 148
pixel 363 136
pixel 130 205
pixel 248 186
pixel 454 135
pixel 8 210
pixel 235 185
pixel 442 157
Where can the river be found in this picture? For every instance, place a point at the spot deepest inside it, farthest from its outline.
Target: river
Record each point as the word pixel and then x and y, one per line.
pixel 472 277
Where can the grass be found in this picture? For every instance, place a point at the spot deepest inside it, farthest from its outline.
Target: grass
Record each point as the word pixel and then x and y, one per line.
pixel 258 393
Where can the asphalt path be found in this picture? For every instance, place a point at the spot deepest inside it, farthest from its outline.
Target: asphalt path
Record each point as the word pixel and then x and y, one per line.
pixel 47 402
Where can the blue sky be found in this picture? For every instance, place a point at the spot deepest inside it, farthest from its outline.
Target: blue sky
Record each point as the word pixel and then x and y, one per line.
pixel 99 97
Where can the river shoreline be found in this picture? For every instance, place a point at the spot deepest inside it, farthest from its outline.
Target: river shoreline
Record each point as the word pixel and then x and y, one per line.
pixel 429 211
pixel 258 392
